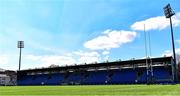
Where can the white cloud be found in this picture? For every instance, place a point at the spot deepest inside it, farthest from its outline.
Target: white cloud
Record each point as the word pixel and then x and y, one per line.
pixel 33 57
pixel 110 39
pixel 9 61
pixel 81 53
pixel 78 57
pixel 47 60
pixel 3 59
pixel 87 57
pixel 156 23
pixel 106 58
pixel 59 60
pixel 105 52
pixel 170 53
pixel 106 31
pixel 178 41
pixel 167 53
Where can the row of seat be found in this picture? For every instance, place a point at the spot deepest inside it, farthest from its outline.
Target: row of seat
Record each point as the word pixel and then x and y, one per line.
pixel 123 76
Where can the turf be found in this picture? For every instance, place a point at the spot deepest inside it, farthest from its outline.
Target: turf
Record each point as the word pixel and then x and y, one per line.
pixel 92 90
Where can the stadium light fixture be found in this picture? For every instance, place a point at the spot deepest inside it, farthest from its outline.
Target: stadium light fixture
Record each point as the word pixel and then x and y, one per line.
pixel 20 45
pixel 169 13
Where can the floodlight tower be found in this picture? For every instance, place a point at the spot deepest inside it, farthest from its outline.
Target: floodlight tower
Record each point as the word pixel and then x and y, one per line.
pixel 169 13
pixel 20 45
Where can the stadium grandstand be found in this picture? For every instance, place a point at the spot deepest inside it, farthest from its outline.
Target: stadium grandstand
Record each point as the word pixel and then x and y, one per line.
pixel 7 77
pixel 139 71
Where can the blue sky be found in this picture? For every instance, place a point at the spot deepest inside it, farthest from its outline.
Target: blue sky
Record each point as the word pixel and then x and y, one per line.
pixel 65 32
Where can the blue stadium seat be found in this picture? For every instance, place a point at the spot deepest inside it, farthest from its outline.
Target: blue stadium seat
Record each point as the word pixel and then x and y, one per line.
pixel 162 74
pixel 123 76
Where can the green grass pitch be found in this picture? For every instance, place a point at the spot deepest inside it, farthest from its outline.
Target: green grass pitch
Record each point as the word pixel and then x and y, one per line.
pixel 92 90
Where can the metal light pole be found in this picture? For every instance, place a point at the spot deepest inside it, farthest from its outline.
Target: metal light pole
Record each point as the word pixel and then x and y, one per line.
pixel 169 13
pixel 20 45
